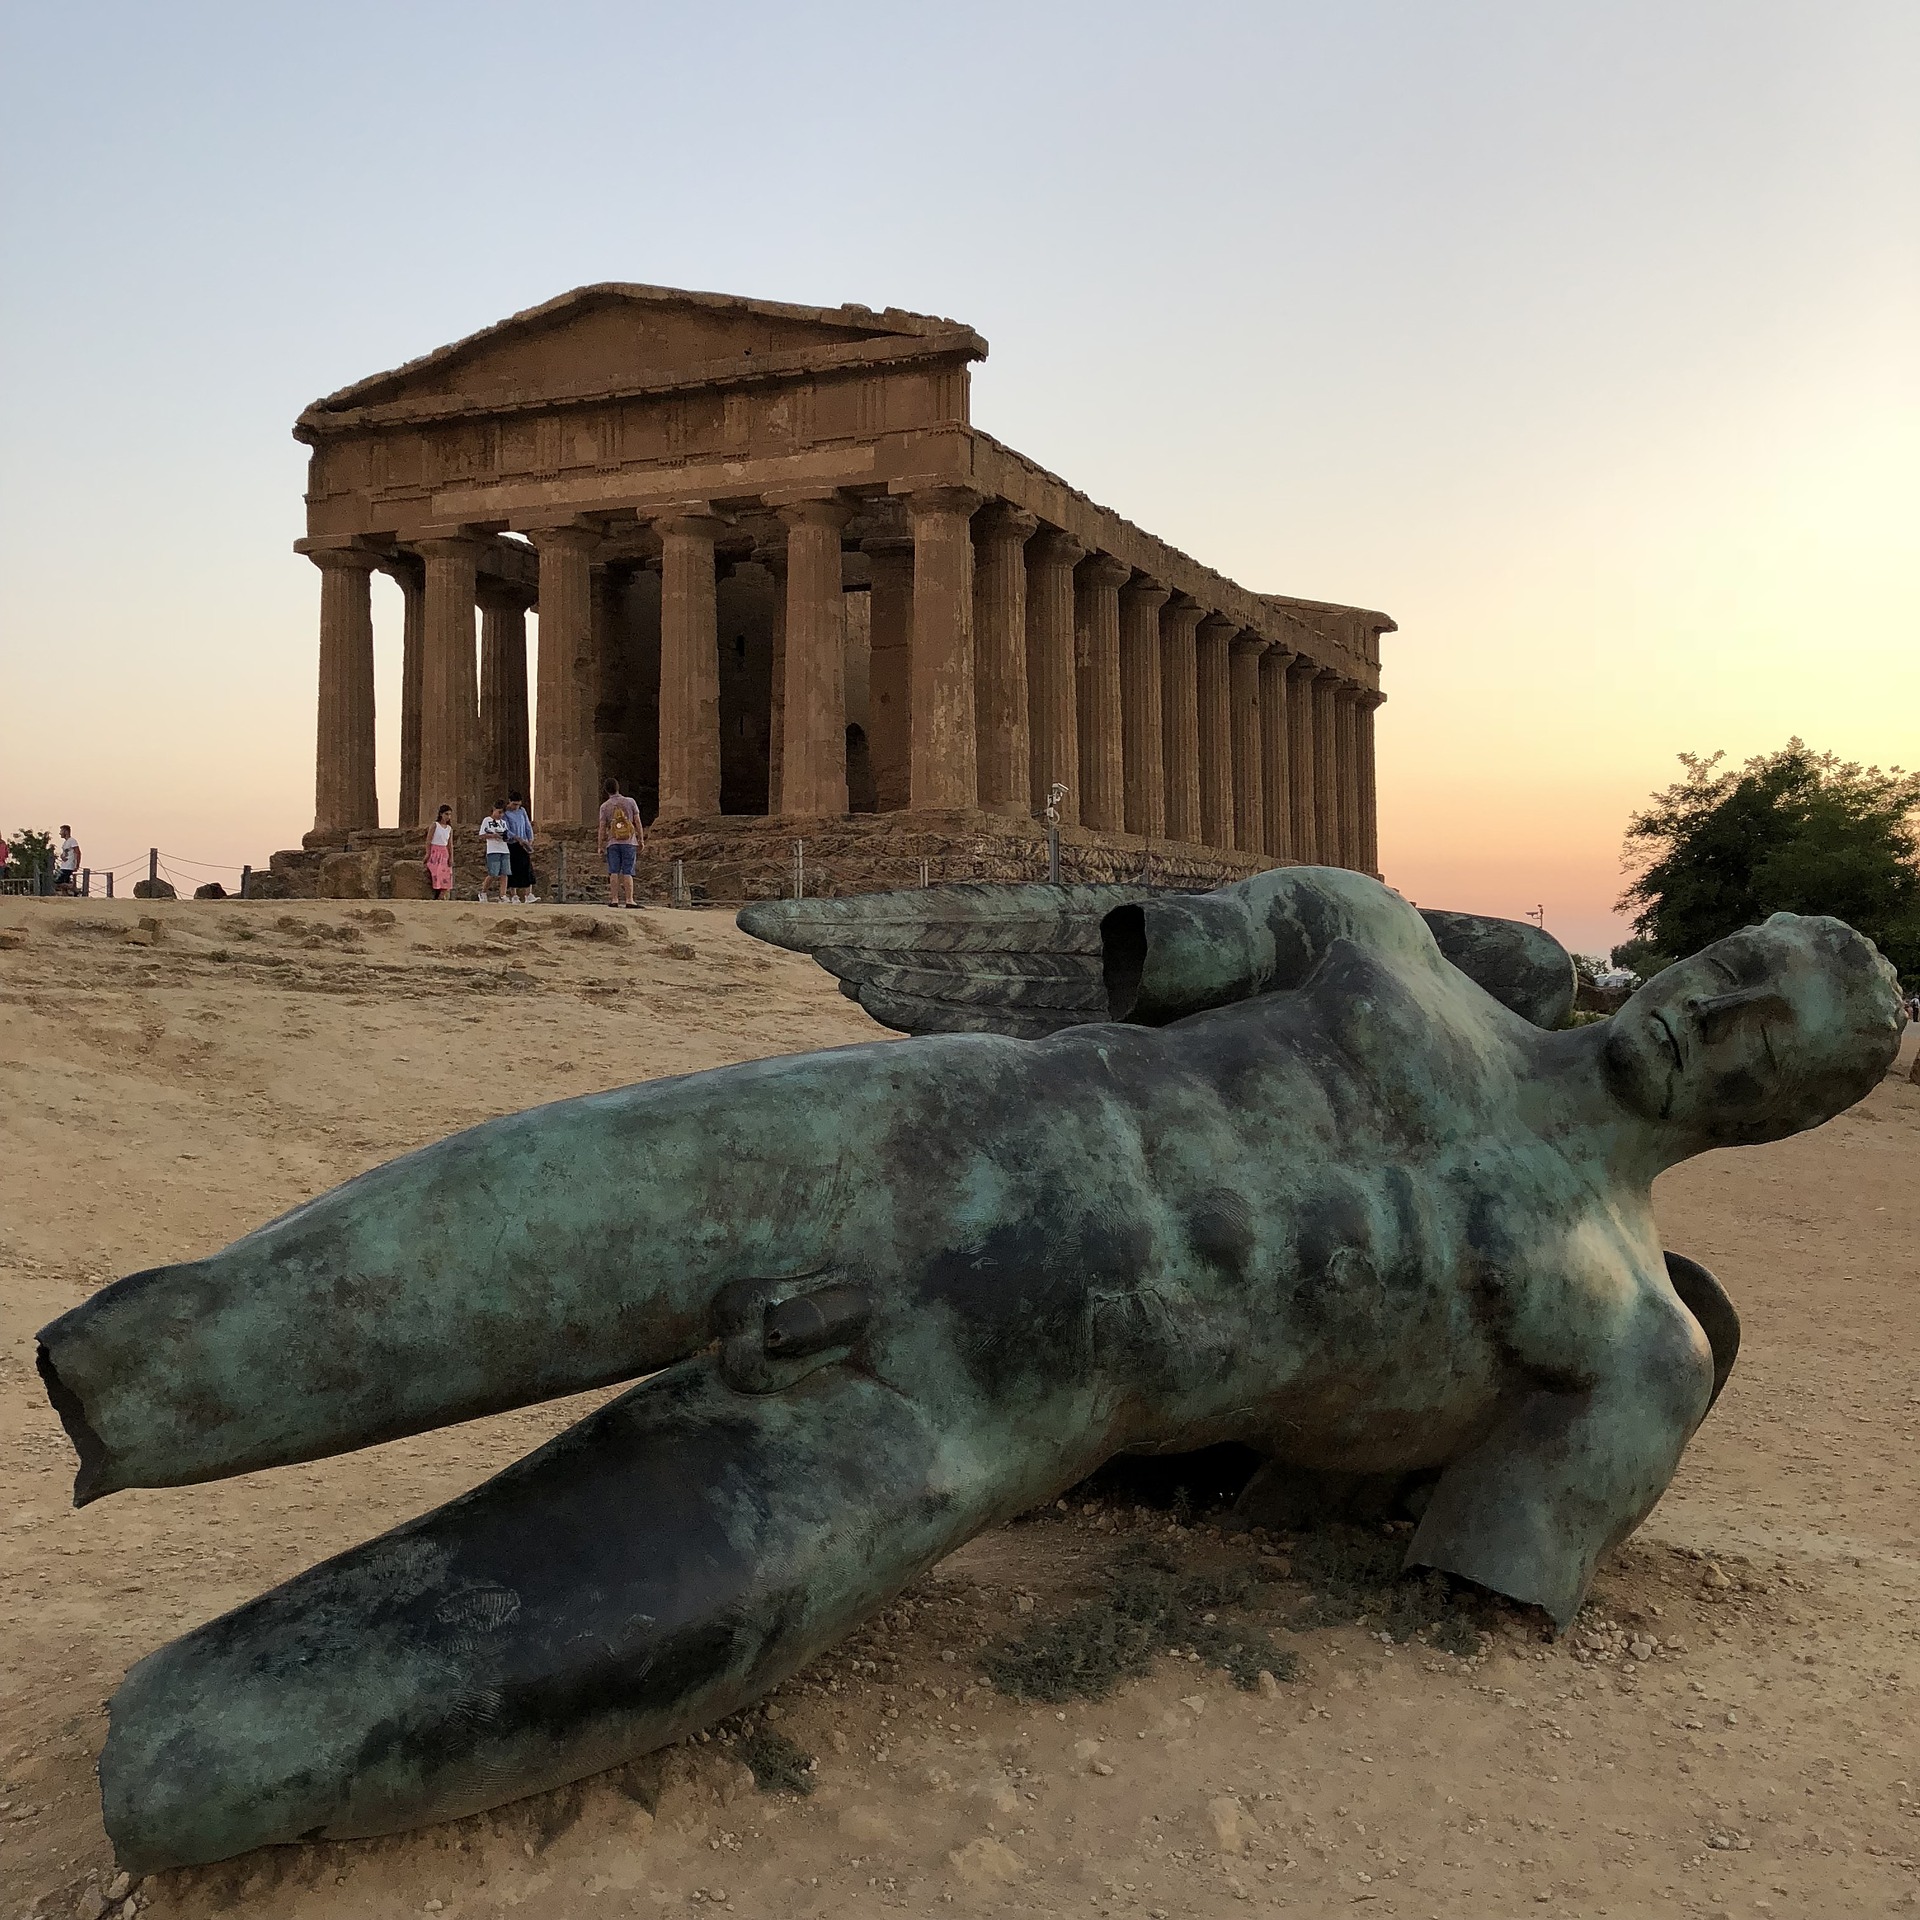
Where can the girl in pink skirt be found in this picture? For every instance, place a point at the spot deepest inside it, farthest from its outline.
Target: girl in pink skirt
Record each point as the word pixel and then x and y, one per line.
pixel 440 855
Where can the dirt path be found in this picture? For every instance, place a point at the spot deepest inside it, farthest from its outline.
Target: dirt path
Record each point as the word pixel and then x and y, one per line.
pixel 1759 1759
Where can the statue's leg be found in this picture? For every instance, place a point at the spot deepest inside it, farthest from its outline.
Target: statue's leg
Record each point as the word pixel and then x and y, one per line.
pixel 662 1563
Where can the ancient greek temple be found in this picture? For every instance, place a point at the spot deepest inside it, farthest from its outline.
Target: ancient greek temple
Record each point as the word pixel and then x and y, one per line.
pixel 781 579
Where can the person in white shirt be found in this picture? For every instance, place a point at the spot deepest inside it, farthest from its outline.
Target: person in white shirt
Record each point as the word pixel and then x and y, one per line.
pixel 440 854
pixel 493 830
pixel 66 863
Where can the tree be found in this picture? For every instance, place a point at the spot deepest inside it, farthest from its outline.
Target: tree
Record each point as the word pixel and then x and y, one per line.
pixel 32 851
pixel 1790 832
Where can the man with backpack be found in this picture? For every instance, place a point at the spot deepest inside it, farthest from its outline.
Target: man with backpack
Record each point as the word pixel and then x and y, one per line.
pixel 621 838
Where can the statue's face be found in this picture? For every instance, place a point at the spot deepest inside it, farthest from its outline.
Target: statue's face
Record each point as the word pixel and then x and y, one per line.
pixel 1760 1035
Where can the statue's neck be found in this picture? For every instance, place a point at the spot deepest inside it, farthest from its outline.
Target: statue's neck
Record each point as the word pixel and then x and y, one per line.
pixel 1635 1149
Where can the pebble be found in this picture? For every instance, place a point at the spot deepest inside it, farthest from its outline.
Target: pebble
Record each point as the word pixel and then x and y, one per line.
pixel 1269 1687
pixel 119 1886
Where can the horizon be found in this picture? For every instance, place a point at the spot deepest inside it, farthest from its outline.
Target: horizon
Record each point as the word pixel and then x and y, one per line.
pixel 1582 345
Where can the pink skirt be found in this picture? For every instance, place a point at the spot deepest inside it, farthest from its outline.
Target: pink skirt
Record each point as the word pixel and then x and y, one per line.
pixel 440 868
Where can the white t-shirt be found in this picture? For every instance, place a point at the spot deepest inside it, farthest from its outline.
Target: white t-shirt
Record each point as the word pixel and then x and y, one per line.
pixel 69 860
pixel 493 830
pixel 442 834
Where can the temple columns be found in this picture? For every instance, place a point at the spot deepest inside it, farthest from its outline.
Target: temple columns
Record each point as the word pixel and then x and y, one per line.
pixel 1142 726
pixel 1054 747
pixel 1274 789
pixel 944 771
pixel 774 559
pixel 410 577
pixel 1370 700
pixel 813 762
pixel 449 694
pixel 1329 833
pixel 1301 787
pixel 344 795
pixel 503 692
pixel 562 745
pixel 1249 762
pixel 1097 586
pixel 1347 731
pixel 1180 718
pixel 890 672
pixel 689 664
pixel 1002 735
pixel 1216 729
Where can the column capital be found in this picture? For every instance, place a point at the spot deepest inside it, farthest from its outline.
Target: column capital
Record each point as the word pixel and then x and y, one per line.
pixel 1219 626
pixel 451 546
pixel 810 506
pixel 1246 641
pixel 1304 666
pixel 502 596
pixel 1002 520
pixel 944 499
pixel 1141 591
pixel 1372 699
pixel 1184 611
pixel 691 519
pixel 1103 570
pixel 405 567
pixel 573 537
pixel 1057 545
pixel 885 546
pixel 342 559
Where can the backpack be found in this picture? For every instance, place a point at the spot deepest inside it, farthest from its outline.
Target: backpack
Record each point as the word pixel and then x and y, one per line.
pixel 620 829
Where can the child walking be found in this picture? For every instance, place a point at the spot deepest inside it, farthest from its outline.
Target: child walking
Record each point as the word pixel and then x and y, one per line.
pixel 493 830
pixel 440 855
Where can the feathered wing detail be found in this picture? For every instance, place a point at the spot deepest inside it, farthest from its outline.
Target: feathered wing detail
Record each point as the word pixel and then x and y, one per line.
pixel 1013 959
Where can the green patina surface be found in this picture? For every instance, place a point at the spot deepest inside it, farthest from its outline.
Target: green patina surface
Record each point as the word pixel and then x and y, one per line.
pixel 1354 1212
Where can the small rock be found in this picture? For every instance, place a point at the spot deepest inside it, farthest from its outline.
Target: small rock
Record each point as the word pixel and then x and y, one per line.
pixel 986 1863
pixel 12 938
pixel 1269 1687
pixel 119 1886
pixel 1231 1827
pixel 92 1903
pixel 1194 1702
pixel 142 937
pixel 1641 1649
pixel 154 890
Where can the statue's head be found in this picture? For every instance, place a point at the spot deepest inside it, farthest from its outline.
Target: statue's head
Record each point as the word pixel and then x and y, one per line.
pixel 1767 1032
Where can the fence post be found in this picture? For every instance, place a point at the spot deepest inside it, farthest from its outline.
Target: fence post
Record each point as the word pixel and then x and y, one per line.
pixel 560 874
pixel 153 868
pixel 1053 855
pixel 109 885
pixel 86 883
pixel 246 875
pixel 799 869
pixel 681 897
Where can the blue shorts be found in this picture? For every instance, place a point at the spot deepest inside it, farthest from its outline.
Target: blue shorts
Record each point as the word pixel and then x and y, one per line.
pixel 497 864
pixel 620 855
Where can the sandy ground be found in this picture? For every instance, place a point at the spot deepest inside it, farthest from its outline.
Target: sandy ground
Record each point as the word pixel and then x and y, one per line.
pixel 1731 1731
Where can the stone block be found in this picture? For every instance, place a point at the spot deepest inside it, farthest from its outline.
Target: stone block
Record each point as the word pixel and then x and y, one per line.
pixel 213 890
pixel 12 938
pixel 411 881
pixel 347 876
pixel 154 890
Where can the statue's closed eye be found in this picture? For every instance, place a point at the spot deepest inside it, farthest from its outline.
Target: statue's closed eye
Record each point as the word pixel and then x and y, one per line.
pixel 1749 1007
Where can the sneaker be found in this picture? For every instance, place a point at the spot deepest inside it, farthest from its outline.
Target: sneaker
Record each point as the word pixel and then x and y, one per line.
pixel 532 900
pixel 481 895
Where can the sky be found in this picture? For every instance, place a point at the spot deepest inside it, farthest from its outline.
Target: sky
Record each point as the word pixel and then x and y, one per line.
pixel 1583 339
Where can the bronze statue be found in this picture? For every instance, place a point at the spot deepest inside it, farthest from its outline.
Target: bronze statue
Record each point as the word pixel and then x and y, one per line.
pixel 1306 1186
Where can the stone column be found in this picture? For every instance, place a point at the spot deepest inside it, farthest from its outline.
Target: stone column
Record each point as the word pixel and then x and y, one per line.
pixel 503 691
pixel 1180 718
pixel 344 796
pixel 1301 785
pixel 1216 729
pixel 813 765
pixel 1370 702
pixel 449 688
pixel 1249 762
pixel 1274 787
pixel 1097 586
pixel 1328 828
pixel 1142 727
pixel 564 721
pixel 1347 732
pixel 945 751
pixel 689 664
pixel 1000 534
pixel 1052 708
pixel 890 671
pixel 774 559
pixel 410 576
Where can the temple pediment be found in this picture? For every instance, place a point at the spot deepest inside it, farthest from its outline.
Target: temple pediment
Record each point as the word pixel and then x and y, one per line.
pixel 616 338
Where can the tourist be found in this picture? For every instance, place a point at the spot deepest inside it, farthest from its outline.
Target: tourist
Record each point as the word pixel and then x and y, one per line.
pixel 440 855
pixel 66 864
pixel 519 851
pixel 620 843
pixel 493 830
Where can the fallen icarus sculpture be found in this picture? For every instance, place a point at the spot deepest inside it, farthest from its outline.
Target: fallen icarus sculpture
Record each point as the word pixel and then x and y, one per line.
pixel 1279 1173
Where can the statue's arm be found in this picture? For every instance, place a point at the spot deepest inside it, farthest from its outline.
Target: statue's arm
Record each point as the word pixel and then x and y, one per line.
pixel 1574 1464
pixel 1174 955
